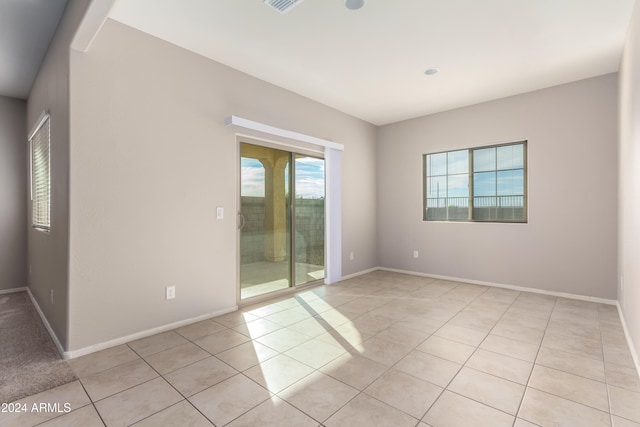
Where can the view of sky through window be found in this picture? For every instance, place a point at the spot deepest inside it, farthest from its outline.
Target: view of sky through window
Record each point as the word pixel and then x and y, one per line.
pixel 309 180
pixel 496 170
pixel 476 184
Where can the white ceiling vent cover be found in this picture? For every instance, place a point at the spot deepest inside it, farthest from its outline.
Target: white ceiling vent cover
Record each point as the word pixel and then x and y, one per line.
pixel 283 6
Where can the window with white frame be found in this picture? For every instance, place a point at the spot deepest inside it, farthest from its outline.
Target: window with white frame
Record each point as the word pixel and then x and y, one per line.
pixel 477 184
pixel 40 147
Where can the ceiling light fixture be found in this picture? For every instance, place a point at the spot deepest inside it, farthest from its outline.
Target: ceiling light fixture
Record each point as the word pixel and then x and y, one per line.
pixel 432 71
pixel 354 4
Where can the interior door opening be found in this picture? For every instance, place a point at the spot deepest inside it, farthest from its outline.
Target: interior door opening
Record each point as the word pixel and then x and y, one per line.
pixel 282 219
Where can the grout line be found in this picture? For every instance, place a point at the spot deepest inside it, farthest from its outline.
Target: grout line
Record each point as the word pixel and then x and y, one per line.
pixel 604 367
pixel 515 417
pixel 392 322
pixel 416 349
pixel 92 403
pixel 526 387
pixel 516 288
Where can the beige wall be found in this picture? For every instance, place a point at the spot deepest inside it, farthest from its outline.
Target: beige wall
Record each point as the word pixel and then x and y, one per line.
pixel 569 244
pixel 48 252
pixel 13 193
pixel 629 181
pixel 151 160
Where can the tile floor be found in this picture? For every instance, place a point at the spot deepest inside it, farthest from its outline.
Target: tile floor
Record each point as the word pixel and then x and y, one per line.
pixel 382 349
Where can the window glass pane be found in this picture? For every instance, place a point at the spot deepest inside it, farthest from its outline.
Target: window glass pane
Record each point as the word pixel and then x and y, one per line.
pixel 511 182
pixel 309 177
pixel 484 184
pixel 437 164
pixel 485 208
pixel 436 199
pixel 434 202
pixel 252 182
pixel 437 186
pixel 286 180
pixel 434 212
pixel 510 157
pixel 309 218
pixel 497 177
pixel 458 186
pixel 458 206
pixel 484 159
pixel 458 162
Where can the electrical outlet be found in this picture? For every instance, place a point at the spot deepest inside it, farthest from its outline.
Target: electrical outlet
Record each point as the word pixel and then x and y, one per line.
pixel 171 292
pixel 219 212
pixel 351 256
pixel 415 254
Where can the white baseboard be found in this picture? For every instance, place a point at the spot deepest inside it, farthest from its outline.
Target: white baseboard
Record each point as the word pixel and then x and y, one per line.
pixel 12 290
pixel 360 273
pixel 53 335
pixel 512 287
pixel 632 348
pixel 143 334
pixel 122 340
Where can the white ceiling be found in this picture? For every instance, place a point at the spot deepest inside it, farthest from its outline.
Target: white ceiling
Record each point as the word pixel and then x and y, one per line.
pixel 370 63
pixel 26 29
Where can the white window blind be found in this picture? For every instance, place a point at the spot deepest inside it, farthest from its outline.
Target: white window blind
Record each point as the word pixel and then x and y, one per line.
pixel 40 176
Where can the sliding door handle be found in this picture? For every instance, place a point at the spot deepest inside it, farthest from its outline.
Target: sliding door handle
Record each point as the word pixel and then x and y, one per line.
pixel 242 221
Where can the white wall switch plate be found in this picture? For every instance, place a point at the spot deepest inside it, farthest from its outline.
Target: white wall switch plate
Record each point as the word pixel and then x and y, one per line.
pixel 415 254
pixel 219 212
pixel 171 292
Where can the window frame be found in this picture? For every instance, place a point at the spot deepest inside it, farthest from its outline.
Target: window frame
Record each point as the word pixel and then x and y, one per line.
pixel 36 223
pixel 470 173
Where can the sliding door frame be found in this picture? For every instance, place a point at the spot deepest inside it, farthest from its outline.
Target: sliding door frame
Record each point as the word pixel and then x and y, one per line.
pixel 292 150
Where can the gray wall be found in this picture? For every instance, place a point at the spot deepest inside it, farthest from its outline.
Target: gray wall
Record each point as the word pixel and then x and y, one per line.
pixel 49 252
pixel 141 159
pixel 569 244
pixel 629 182
pixel 13 193
pixel 150 161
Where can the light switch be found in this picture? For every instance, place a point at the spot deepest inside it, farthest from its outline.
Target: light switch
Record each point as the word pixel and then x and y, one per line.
pixel 219 212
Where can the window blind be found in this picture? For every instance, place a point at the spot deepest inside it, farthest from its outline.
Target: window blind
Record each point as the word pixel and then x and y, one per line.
pixel 40 176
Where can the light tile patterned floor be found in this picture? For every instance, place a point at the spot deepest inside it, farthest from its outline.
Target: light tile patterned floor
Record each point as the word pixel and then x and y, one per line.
pixel 382 349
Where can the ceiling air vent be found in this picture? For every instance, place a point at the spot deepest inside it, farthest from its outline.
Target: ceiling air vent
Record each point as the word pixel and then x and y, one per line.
pixel 283 6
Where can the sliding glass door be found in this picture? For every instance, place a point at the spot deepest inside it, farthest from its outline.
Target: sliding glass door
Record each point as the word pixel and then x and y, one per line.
pixel 281 219
pixel 308 218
